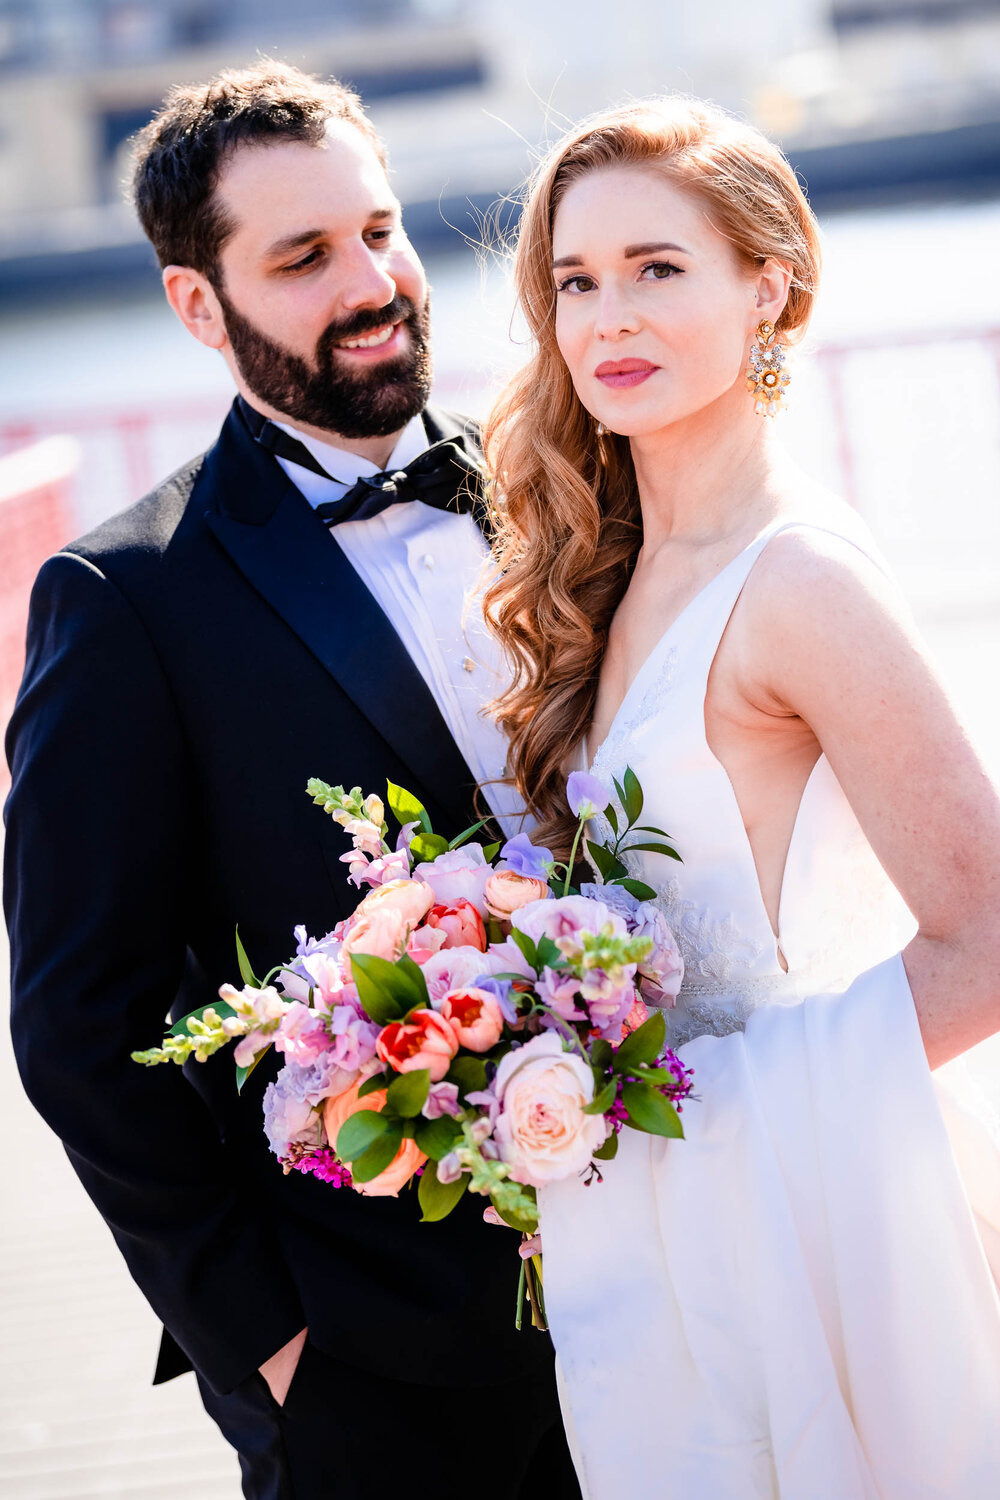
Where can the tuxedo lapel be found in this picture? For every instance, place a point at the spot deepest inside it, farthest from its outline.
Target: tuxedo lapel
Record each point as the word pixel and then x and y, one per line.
pixel 272 535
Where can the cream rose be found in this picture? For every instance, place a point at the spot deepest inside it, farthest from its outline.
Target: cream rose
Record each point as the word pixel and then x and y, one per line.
pixel 542 1132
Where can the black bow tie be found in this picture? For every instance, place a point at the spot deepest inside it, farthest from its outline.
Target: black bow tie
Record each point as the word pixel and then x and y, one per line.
pixel 445 476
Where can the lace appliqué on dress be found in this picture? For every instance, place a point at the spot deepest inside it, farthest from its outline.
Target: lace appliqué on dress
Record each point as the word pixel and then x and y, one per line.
pixel 625 726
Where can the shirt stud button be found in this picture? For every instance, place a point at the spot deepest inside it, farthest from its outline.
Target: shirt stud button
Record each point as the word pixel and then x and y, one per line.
pixel 468 665
pixel 428 560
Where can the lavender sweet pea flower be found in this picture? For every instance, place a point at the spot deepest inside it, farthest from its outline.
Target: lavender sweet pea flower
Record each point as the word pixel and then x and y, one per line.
pixel 560 992
pixel 500 990
pixel 523 858
pixel 442 1100
pixel 586 795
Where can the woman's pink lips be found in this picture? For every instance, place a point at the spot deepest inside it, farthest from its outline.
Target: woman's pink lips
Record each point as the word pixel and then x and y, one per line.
pixel 622 372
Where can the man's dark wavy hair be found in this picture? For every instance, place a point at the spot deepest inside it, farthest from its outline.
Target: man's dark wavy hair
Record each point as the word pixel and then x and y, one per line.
pixel 178 157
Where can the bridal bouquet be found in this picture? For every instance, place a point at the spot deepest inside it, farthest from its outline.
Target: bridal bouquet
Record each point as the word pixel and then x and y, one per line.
pixel 476 1025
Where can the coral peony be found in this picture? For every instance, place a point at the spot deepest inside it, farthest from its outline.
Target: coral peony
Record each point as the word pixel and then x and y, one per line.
pixel 507 892
pixel 475 1016
pixel 461 924
pixel 425 1041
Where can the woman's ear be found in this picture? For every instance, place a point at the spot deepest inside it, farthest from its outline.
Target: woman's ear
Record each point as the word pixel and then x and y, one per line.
pixel 193 299
pixel 771 290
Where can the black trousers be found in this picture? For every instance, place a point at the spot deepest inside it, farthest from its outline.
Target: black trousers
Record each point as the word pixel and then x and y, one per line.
pixel 343 1434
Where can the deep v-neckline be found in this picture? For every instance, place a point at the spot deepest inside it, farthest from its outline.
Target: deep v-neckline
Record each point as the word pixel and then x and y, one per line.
pixel 652 655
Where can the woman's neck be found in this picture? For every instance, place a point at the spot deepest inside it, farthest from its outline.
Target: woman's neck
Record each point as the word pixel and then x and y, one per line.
pixel 706 478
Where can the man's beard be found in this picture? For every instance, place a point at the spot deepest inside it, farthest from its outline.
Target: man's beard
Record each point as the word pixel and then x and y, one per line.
pixel 368 403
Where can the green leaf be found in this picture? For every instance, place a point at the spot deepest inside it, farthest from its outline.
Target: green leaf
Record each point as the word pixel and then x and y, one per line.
pixel 648 1110
pixel 637 888
pixel 437 1199
pixel 490 851
pixel 653 849
pixel 648 828
pixel 242 1074
pixel 392 988
pixel 601 1053
pixel 527 947
pixel 437 1137
pixel 654 1075
pixel 407 807
pixel 359 1131
pixel 632 801
pixel 612 817
pixel 603 1100
pixel 249 977
pixel 609 1150
pixel 643 1045
pixel 379 1154
pixel 221 1007
pixel 547 953
pixel 610 866
pixel 427 846
pixel 468 1072
pixel 463 837
pixel 520 1222
pixel 408 1092
pixel 370 1085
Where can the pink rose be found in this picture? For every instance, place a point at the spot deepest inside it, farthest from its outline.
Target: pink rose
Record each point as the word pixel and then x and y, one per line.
pixel 425 1041
pixel 456 968
pixel 507 892
pixel 461 924
pixel 475 1016
pixel 403 1165
pixel 541 1131
pixel 458 875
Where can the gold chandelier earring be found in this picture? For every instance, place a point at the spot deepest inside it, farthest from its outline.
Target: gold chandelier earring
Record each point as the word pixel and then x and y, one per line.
pixel 767 379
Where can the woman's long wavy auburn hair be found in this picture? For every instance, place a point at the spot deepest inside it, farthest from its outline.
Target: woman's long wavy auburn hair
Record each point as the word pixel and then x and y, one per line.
pixel 564 496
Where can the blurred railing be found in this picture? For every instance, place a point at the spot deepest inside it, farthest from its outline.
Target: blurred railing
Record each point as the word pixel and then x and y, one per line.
pixel 906 426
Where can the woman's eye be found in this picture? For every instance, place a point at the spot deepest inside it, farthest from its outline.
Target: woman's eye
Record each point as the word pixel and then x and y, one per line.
pixel 662 270
pixel 577 283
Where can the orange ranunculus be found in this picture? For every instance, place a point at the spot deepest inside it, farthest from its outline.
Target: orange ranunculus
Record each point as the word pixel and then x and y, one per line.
pixel 403 1165
pixel 507 892
pixel 424 1041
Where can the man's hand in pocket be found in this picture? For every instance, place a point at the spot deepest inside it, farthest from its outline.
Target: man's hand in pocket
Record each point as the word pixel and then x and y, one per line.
pixel 279 1369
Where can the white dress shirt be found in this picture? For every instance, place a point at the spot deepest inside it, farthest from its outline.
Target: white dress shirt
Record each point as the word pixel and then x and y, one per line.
pixel 424 568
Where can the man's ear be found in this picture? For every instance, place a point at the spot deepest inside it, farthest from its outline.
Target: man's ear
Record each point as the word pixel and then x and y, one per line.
pixel 193 299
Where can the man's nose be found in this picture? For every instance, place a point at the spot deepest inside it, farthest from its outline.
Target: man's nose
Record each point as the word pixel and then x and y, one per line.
pixel 365 282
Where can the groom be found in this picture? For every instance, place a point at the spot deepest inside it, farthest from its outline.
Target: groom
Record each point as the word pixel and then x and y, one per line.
pixel 287 605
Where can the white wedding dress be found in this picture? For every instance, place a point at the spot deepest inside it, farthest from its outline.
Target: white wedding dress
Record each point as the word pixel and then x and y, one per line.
pixel 797 1300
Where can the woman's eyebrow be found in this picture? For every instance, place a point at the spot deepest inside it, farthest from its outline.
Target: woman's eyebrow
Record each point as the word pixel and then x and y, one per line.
pixel 631 252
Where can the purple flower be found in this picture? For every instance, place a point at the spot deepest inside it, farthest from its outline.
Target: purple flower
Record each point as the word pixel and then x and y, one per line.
pixel 560 991
pixel 586 795
pixel 617 899
pixel 500 990
pixel 442 1100
pixel 524 859
pixel 289 1117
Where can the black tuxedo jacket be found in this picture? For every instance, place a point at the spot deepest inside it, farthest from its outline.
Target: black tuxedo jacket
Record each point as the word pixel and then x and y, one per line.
pixel 190 664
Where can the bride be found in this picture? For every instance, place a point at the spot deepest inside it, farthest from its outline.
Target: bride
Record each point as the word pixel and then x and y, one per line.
pixel 796 1300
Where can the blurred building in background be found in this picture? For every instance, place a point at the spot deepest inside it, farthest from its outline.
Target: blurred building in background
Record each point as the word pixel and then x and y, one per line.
pixel 866 96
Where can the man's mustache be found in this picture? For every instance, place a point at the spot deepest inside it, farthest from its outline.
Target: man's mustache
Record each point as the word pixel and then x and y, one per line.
pixel 366 320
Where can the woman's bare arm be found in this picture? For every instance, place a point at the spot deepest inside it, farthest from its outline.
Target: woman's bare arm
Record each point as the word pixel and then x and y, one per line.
pixel 833 642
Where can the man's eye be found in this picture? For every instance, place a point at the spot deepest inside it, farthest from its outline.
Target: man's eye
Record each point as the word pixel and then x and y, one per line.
pixel 307 260
pixel 382 236
pixel 577 283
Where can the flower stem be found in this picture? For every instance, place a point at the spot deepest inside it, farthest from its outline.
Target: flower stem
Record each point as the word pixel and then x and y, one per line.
pixel 572 855
pixel 519 1310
